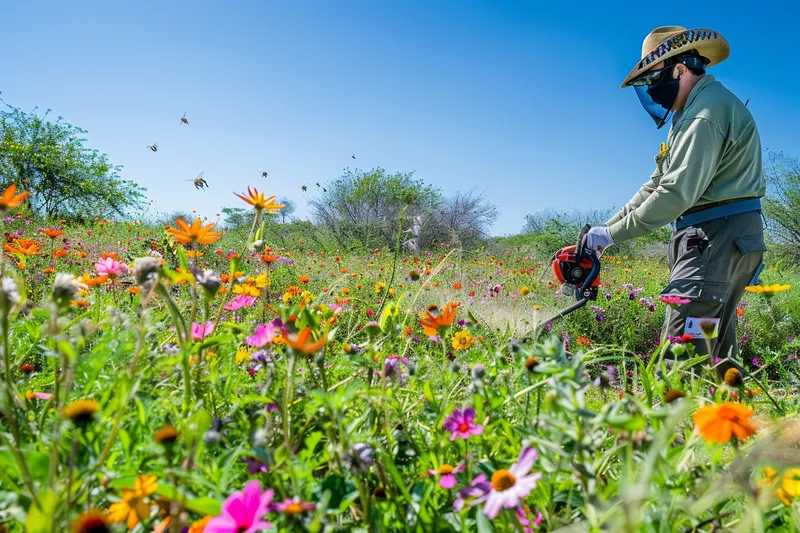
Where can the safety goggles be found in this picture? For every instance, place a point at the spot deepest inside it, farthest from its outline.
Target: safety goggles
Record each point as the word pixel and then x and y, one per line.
pixel 649 78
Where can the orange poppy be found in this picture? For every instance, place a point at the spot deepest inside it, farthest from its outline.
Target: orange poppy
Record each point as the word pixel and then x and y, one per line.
pixel 721 422
pixel 433 322
pixel 300 342
pixel 22 247
pixel 259 201
pixel 11 199
pixel 198 233
pixel 52 233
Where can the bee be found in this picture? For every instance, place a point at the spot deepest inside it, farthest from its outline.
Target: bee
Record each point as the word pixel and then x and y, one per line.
pixel 324 189
pixel 184 120
pixel 264 174
pixel 354 155
pixel 199 181
pixel 154 147
pixel 317 184
pixel 305 188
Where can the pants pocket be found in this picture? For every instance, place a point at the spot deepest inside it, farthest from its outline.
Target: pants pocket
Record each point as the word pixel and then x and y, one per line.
pixel 751 244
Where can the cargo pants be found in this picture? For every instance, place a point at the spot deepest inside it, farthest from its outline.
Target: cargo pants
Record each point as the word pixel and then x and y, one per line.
pixel 711 263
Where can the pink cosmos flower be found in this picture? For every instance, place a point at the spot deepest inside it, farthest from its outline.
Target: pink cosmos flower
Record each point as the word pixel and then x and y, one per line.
pixel 263 335
pixel 461 424
pixel 111 267
pixel 674 300
pixel 240 301
pixel 510 486
pixel 448 480
pixel 200 331
pixel 243 511
pixel 292 506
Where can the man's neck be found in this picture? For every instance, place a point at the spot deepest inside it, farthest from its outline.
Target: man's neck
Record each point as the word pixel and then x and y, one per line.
pixel 684 93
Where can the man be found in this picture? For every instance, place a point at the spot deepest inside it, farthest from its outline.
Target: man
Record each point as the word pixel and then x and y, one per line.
pixel 708 182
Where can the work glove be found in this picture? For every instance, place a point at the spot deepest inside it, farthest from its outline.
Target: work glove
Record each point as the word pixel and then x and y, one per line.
pixel 598 239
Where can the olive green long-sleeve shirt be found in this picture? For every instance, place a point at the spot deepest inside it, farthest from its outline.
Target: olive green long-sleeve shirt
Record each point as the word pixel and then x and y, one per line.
pixel 713 154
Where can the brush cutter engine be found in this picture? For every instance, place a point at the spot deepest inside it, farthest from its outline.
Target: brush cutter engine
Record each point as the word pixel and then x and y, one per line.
pixel 578 270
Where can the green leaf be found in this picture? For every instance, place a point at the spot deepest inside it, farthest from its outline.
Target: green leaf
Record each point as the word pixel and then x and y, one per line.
pixel 41 517
pixel 484 526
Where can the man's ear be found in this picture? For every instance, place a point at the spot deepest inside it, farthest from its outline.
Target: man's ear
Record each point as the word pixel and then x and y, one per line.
pixel 680 70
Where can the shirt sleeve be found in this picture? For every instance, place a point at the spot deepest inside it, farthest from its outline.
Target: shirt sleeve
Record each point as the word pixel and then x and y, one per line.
pixel 641 195
pixel 694 157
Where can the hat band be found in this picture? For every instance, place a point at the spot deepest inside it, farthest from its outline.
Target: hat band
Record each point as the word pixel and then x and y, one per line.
pixel 677 41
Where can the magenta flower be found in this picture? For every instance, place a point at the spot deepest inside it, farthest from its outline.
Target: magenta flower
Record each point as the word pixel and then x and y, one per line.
pixel 240 301
pixel 510 486
pixel 243 511
pixel 111 268
pixel 478 488
pixel 201 331
pixel 263 335
pixel 447 479
pixel 525 522
pixel 461 424
pixel 674 300
pixel 292 506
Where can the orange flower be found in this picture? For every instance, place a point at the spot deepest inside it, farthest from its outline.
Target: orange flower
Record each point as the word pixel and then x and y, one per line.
pixel 196 233
pixel 433 322
pixel 721 422
pixel 22 247
pixel 456 286
pixel 133 507
pixel 583 341
pixel 303 279
pixel 79 303
pixel 10 199
pixel 259 201
pixel 300 342
pixel 52 233
pixel 60 252
pixel 267 258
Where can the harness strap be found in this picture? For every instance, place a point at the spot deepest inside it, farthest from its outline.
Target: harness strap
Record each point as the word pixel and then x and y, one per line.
pixel 726 210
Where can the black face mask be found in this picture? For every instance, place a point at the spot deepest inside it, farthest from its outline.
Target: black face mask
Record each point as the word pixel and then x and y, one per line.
pixel 657 99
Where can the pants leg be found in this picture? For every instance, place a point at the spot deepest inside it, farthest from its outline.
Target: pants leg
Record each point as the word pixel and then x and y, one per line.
pixel 711 264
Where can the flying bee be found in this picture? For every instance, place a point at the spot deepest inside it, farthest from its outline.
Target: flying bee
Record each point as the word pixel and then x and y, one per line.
pixel 304 187
pixel 154 147
pixel 264 174
pixel 324 189
pixel 317 184
pixel 354 155
pixel 184 120
pixel 199 181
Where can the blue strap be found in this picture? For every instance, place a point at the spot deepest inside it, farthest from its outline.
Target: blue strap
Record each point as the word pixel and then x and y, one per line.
pixel 720 211
pixel 755 280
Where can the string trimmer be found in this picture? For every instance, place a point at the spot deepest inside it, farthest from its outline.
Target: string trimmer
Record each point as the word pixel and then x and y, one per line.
pixel 578 270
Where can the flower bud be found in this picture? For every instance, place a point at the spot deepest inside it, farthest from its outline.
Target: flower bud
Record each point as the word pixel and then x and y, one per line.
pixel 145 268
pixel 65 288
pixel 210 281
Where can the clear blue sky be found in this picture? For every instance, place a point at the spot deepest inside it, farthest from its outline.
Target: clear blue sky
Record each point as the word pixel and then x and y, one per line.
pixel 517 99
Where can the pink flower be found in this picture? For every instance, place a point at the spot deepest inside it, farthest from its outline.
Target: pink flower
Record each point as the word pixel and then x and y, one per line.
pixel 200 331
pixel 448 480
pixel 262 336
pixel 674 300
pixel 478 488
pixel 111 267
pixel 461 424
pixel 240 301
pixel 510 486
pixel 292 506
pixel 243 511
pixel 522 516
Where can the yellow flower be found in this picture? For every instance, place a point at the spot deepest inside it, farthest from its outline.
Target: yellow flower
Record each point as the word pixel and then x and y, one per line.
pixel 524 291
pixel 462 340
pixel 242 355
pixel 81 411
pixel 307 297
pixel 290 293
pixel 247 290
pixel 768 290
pixel 790 485
pixel 133 508
pixel 379 287
pixel 261 281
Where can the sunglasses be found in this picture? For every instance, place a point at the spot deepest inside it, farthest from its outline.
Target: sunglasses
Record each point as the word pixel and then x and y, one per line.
pixel 650 78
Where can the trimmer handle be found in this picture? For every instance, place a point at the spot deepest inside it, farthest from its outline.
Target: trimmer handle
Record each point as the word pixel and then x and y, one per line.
pixel 582 240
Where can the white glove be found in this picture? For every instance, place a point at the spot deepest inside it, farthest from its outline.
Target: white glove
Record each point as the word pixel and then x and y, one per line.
pixel 598 239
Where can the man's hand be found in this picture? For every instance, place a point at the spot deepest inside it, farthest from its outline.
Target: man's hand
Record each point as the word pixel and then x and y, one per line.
pixel 598 239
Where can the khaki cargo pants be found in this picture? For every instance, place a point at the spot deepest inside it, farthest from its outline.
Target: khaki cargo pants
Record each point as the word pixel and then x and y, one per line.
pixel 711 263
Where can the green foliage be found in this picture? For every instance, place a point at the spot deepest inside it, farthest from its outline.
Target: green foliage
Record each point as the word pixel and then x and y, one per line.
pixel 782 204
pixel 65 178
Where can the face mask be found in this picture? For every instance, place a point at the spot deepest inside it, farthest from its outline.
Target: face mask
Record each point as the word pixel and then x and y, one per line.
pixel 657 92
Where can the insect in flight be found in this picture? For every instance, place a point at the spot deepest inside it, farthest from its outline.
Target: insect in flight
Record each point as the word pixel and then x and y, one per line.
pixel 199 181
pixel 264 174
pixel 304 187
pixel 154 147
pixel 354 155
pixel 184 120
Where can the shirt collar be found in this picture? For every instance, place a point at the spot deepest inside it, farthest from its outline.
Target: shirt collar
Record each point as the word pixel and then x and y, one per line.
pixel 704 82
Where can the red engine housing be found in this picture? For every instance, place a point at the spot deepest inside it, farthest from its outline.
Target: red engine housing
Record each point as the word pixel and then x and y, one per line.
pixel 567 268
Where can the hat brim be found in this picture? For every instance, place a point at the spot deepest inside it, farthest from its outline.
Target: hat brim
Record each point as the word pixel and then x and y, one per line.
pixel 709 43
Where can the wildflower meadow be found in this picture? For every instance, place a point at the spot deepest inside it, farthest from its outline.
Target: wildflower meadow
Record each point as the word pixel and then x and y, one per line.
pixel 190 378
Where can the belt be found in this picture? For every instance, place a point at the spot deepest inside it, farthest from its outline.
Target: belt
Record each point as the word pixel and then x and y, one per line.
pixel 719 211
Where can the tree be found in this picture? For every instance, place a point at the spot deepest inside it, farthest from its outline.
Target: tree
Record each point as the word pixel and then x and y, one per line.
pixel 464 218
pixel 782 203
pixel 65 178
pixel 288 210
pixel 363 209
pixel 237 217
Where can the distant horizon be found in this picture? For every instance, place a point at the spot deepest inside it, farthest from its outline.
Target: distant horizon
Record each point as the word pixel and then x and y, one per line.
pixel 517 100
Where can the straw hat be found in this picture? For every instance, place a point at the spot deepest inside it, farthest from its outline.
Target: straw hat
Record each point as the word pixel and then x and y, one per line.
pixel 669 41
